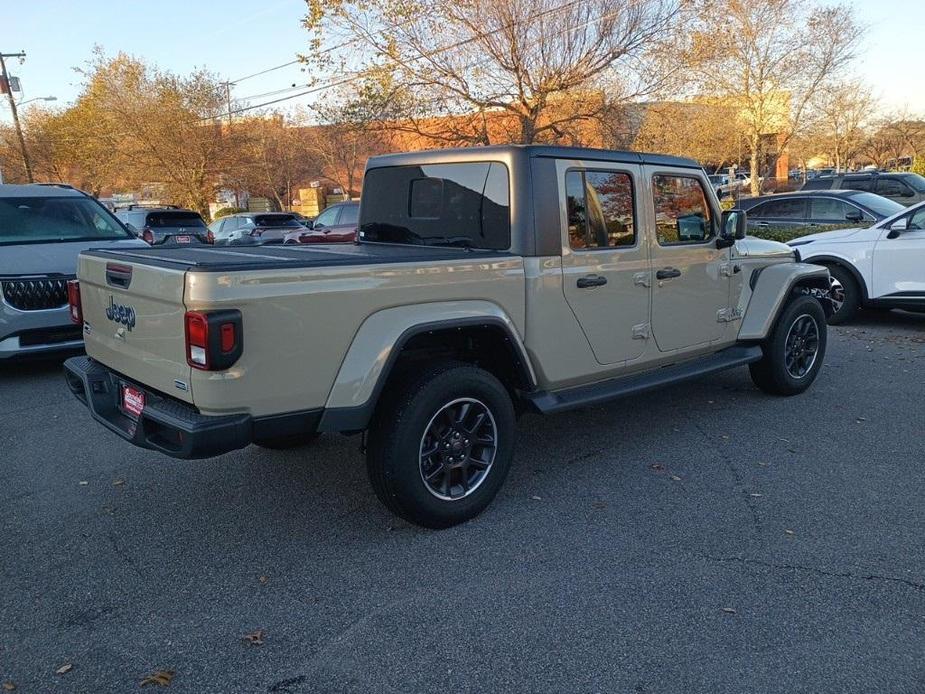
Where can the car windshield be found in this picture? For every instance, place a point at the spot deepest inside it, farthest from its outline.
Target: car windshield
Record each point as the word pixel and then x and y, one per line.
pixel 466 205
pixel 884 207
pixel 276 220
pixel 51 219
pixel 917 182
pixel 157 220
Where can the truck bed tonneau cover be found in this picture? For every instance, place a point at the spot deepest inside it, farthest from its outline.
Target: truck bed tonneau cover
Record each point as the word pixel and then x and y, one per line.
pixel 241 258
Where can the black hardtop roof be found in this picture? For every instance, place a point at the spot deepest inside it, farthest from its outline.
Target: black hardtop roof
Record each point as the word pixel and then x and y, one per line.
pixel 39 190
pixel 552 151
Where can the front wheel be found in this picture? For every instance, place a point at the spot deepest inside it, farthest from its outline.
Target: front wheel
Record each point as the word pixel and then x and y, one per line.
pixel 794 352
pixel 441 444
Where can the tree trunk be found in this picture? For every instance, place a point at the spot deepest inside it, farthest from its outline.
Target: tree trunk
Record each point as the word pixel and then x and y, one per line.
pixel 755 183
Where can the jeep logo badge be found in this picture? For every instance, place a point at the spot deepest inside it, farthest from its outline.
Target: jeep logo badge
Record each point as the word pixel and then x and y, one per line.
pixel 118 313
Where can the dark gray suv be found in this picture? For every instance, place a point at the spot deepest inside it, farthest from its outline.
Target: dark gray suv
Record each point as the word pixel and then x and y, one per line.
pixel 42 230
pixel 905 188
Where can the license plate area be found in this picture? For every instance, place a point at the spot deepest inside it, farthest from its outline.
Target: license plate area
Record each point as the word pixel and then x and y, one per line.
pixel 131 400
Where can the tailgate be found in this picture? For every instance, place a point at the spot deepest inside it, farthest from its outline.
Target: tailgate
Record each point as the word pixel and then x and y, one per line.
pixel 133 321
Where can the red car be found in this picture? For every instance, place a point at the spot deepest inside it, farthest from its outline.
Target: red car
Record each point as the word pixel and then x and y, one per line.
pixel 337 224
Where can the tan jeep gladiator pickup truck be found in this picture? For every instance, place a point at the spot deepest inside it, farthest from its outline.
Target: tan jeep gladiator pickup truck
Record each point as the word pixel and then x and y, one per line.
pixel 486 282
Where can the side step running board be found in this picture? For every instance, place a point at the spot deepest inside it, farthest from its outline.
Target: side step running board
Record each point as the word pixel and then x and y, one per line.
pixel 547 402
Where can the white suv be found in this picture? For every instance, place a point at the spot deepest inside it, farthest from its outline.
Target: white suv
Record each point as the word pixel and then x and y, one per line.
pixel 882 266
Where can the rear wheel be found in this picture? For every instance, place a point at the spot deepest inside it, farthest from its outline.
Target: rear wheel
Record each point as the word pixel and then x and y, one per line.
pixel 440 446
pixel 845 294
pixel 794 352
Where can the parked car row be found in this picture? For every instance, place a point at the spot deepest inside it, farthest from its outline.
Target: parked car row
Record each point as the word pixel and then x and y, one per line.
pixel 904 188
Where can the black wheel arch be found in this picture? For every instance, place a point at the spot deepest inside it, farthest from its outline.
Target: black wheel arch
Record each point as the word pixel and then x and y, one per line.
pixel 828 260
pixel 455 338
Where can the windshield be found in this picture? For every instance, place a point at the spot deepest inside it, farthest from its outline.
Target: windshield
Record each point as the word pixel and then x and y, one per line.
pixel 917 182
pixel 465 205
pixel 51 219
pixel 276 220
pixel 882 206
pixel 159 220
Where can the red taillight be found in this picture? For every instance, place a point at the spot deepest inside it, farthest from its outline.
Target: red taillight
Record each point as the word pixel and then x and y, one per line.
pixel 148 236
pixel 213 339
pixel 197 340
pixel 210 237
pixel 73 302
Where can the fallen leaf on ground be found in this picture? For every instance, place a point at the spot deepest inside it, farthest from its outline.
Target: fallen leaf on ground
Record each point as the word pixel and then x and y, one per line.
pixel 536 498
pixel 730 610
pixel 118 483
pixel 161 678
pixel 67 667
pixel 256 638
pixel 9 687
pixel 82 483
pixel 263 580
pixel 675 478
pixel 658 467
pixel 756 495
pixel 790 532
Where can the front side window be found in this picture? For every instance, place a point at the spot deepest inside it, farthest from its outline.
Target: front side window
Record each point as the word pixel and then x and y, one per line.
pixel 50 219
pixel 917 219
pixel 682 214
pixel 790 208
pixel 893 187
pixel 600 209
pixel 465 204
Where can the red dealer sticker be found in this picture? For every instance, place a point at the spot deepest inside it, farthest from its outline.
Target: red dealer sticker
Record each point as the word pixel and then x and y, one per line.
pixel 133 401
pixel 183 239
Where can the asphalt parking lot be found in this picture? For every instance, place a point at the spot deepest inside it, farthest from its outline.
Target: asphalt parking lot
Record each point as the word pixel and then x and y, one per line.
pixel 704 538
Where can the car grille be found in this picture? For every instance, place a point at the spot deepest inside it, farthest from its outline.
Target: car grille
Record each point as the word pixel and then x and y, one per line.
pixel 35 294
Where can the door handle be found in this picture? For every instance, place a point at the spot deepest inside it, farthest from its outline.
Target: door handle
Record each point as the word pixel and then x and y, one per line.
pixel 591 281
pixel 667 273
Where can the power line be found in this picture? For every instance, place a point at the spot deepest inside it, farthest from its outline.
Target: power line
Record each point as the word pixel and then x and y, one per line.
pixel 431 54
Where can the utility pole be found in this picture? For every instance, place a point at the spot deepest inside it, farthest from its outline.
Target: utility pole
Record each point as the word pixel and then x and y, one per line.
pixel 9 93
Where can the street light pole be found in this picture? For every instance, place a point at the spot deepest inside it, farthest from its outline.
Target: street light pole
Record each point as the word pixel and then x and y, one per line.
pixel 9 92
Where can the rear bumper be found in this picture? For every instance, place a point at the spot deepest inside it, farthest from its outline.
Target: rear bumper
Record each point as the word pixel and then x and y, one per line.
pixel 37 333
pixel 167 425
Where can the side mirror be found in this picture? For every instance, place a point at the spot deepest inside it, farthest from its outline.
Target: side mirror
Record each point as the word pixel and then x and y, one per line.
pixel 854 216
pixel 734 224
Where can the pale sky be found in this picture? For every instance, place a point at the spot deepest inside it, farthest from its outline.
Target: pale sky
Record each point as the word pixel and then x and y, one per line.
pixel 235 38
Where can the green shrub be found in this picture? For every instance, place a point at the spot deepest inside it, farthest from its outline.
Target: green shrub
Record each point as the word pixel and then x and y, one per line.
pixel 918 165
pixel 785 234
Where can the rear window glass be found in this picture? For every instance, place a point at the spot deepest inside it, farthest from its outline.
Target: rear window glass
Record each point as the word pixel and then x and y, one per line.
pixel 276 220
pixel 159 220
pixel 48 219
pixel 465 204
pixel 917 182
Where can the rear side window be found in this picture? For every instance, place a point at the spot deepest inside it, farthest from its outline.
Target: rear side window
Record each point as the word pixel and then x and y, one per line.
pixel 600 209
pixel 276 220
pixel 793 208
pixel 349 214
pixel 157 220
pixel 818 184
pixel 858 183
pixel 682 214
pixel 464 204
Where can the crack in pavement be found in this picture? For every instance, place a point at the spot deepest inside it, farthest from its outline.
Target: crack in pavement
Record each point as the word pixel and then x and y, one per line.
pixel 737 476
pixel 811 569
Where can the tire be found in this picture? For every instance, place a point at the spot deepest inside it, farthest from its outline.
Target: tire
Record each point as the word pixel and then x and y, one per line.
pixel 419 415
pixel 778 372
pixel 281 443
pixel 842 277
